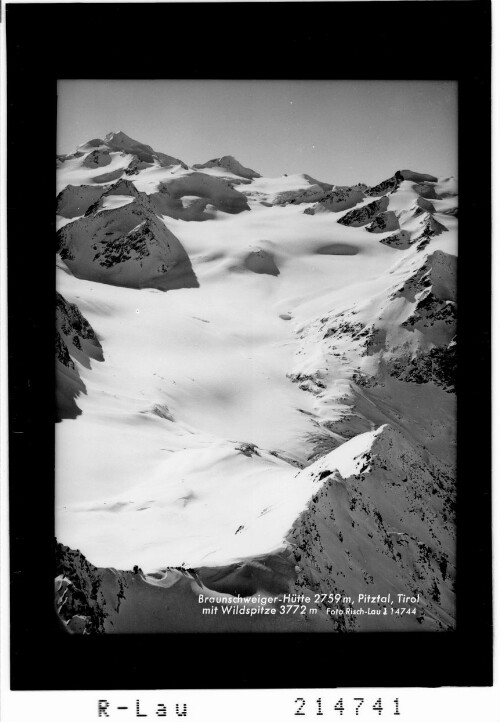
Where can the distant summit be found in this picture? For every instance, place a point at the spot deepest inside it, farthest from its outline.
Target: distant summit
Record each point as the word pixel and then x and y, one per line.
pixel 123 143
pixel 415 177
pixel 228 162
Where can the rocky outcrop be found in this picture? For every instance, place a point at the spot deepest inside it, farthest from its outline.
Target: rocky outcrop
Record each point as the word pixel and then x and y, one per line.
pixel 341 198
pixel 384 222
pixel 410 175
pixel 261 261
pixel 390 185
pixel 97 159
pixel 135 166
pixel 430 312
pixel 381 524
pixel 401 240
pixel 364 215
pixel 386 186
pixel 371 368
pixel 314 182
pixel 74 201
pixel 430 228
pixel 79 600
pixel 438 272
pixel 301 195
pixel 94 600
pixel 126 246
pixel 143 153
pixel 227 162
pixel 62 158
pixel 426 190
pixel 437 366
pixel 75 340
pixel 73 326
pixel 426 229
pixel 122 188
pixel 423 204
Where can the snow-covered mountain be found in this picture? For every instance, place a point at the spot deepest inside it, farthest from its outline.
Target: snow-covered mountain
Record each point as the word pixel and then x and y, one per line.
pixel 256 392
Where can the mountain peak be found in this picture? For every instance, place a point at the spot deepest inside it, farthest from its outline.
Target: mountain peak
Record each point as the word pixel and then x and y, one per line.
pixel 120 136
pixel 415 177
pixel 123 141
pixel 229 163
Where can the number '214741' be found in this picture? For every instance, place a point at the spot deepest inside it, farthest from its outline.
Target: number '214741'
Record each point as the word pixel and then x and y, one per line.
pixel 356 705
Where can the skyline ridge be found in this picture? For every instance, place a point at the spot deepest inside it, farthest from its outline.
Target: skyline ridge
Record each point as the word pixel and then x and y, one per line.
pixel 346 130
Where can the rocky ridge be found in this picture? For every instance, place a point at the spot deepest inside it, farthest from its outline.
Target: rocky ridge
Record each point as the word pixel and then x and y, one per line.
pixel 75 341
pixel 126 245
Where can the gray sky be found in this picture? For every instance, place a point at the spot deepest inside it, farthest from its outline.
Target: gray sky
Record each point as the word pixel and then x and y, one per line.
pixel 338 131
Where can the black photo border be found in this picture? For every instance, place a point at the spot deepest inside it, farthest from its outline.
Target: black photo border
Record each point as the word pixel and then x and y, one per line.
pixel 433 40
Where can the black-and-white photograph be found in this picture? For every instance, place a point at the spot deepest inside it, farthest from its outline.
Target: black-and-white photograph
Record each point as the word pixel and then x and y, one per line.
pixel 256 237
pixel 256 352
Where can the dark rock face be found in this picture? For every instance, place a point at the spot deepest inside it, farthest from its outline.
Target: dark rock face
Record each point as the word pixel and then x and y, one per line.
pixel 384 222
pixel 209 190
pixel 75 339
pixel 401 240
pixel 227 162
pixel 261 262
pixel 60 159
pixel 438 272
pixel 431 228
pixel 74 201
pixel 135 166
pixel 115 251
pixel 410 175
pixel 302 195
pixel 71 323
pixel 126 246
pixel 365 214
pixel 387 186
pixel 62 353
pixel 97 159
pixel 425 205
pixel 426 190
pixel 321 184
pixel 341 198
pixel 392 184
pixel 430 310
pixel 144 153
pixel 97 600
pixel 397 514
pixel 421 348
pixel 437 366
pixel 78 596
pixel 121 187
